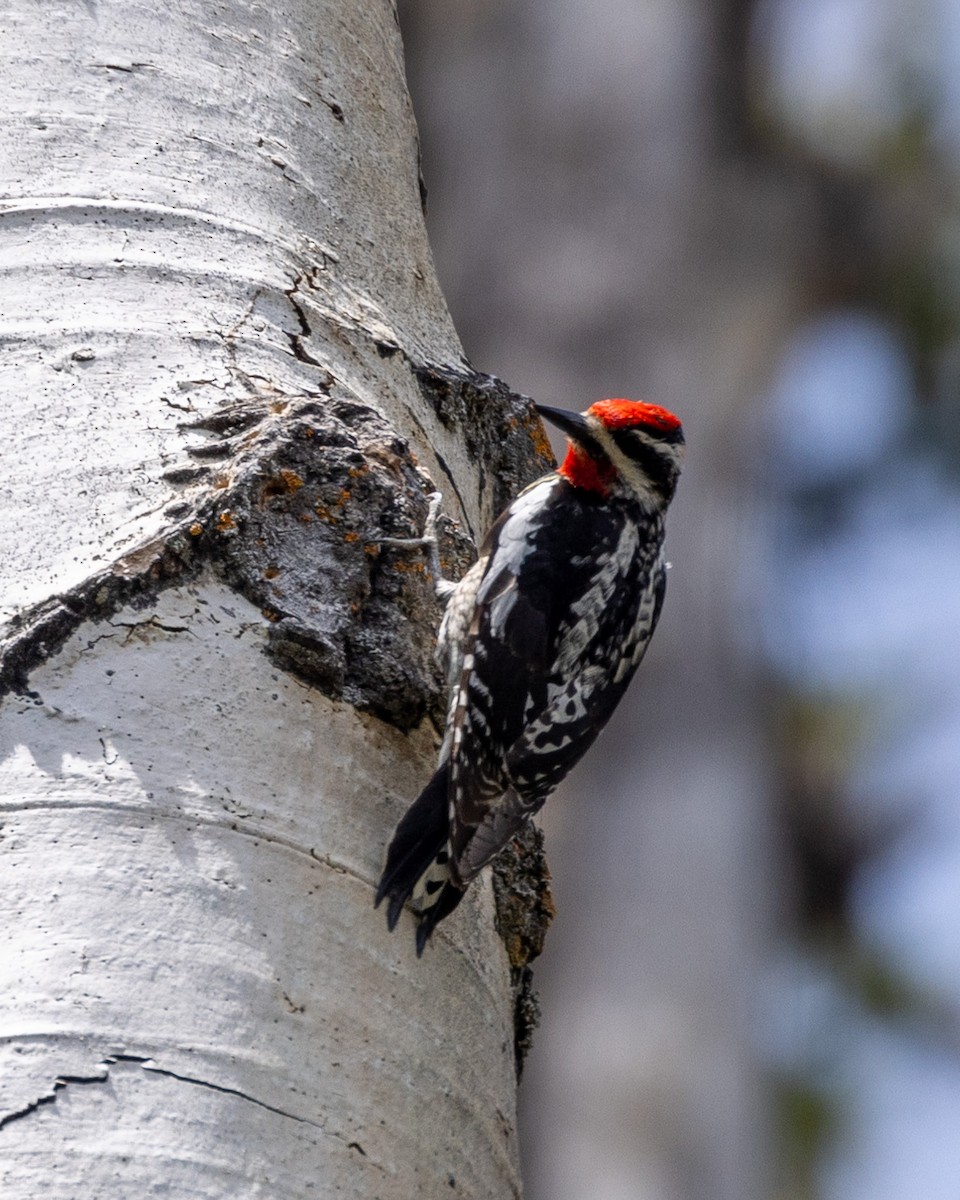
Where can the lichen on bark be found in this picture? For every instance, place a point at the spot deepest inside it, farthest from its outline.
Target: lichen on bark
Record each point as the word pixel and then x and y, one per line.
pixel 287 500
pixel 525 908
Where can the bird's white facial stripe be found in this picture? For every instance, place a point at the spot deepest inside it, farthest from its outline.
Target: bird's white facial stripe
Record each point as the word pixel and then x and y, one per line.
pixel 631 470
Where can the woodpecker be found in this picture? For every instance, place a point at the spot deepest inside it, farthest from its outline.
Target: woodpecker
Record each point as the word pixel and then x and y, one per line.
pixel 540 638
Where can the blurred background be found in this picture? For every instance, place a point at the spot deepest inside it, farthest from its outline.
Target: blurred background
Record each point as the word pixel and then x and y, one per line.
pixel 745 210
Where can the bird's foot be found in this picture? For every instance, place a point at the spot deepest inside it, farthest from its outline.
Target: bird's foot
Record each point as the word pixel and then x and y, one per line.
pixel 429 543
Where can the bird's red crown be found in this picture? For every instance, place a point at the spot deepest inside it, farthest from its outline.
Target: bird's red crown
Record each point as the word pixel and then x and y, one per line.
pixel 624 414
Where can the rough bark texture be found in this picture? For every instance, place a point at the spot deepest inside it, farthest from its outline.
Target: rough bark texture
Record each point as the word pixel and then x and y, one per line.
pixel 227 372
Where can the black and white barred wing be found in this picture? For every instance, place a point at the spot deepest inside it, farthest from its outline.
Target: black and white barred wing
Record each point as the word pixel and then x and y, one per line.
pixel 538 679
pixel 499 679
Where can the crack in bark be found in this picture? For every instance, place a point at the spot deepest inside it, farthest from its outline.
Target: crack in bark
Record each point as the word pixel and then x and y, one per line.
pixel 109 761
pixel 127 68
pixel 297 339
pixel 333 106
pixel 184 408
pixel 59 1084
pixel 231 822
pixel 150 623
pixel 148 1063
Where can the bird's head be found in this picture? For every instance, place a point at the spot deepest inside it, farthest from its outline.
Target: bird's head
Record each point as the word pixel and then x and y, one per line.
pixel 621 447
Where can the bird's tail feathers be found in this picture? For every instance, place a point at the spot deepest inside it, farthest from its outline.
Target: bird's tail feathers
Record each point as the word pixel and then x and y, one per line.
pixel 418 861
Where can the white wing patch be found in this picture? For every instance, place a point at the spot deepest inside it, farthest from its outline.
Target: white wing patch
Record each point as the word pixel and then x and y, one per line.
pixel 591 606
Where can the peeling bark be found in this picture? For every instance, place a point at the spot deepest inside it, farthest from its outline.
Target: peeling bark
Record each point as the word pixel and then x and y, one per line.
pixel 288 501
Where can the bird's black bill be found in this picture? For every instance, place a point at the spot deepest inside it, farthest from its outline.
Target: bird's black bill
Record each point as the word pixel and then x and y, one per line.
pixel 573 424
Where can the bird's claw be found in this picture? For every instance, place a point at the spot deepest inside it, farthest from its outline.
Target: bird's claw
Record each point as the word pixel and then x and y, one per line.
pixel 429 543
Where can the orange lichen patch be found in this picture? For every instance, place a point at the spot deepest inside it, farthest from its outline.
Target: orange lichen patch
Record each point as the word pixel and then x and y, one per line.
pixel 416 567
pixel 196 529
pixel 220 482
pixel 325 514
pixel 284 483
pixel 278 406
pixel 356 472
pixel 309 432
pixel 541 443
pixel 518 941
pixel 271 572
pixel 270 614
pixel 371 549
pixel 351 537
pixel 226 521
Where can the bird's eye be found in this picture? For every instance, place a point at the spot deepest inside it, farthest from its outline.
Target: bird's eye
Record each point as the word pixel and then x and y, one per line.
pixel 632 443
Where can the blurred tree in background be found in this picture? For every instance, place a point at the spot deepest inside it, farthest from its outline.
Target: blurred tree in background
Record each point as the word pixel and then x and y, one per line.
pixel 745 211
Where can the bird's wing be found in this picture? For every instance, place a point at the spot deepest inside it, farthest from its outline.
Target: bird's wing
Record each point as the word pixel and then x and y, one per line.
pixel 536 683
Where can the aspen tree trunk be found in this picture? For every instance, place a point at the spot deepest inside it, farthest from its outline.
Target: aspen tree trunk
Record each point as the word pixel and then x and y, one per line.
pixel 227 371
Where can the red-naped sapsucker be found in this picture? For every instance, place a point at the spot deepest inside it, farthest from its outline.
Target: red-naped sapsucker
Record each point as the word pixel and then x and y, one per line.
pixel 541 638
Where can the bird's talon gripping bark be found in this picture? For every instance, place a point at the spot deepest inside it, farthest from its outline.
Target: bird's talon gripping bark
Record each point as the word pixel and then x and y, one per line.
pixel 429 543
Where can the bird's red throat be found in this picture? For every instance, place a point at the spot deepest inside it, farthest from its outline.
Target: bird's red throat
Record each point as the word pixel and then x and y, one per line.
pixel 584 471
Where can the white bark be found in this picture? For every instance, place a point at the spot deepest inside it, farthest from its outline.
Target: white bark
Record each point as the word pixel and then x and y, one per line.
pixel 213 254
